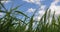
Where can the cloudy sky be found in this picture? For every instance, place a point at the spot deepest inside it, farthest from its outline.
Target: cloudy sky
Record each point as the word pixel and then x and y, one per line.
pixel 29 6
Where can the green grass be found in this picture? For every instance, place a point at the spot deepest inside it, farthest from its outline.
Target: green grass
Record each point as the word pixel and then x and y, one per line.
pixel 9 23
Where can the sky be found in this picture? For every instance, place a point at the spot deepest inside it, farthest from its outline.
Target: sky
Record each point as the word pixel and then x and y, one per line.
pixel 30 6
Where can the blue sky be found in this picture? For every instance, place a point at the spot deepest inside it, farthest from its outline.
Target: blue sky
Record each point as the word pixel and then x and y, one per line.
pixel 29 6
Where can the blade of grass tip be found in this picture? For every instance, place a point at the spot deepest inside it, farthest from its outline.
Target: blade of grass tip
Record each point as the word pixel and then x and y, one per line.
pixel 20 20
pixel 48 18
pixel 45 20
pixel 25 19
pixel 53 18
pixel 41 20
pixel 16 19
pixel 11 7
pixel 31 22
pixel 3 6
pixel 22 13
pixel 39 26
pixel 49 15
pixel 45 16
pixel 2 11
pixel 18 6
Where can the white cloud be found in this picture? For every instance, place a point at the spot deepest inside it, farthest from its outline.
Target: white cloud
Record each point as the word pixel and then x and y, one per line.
pixel 43 7
pixel 57 0
pixel 31 10
pixel 40 12
pixel 5 1
pixel 33 1
pixel 37 18
pixel 55 8
pixel 1 15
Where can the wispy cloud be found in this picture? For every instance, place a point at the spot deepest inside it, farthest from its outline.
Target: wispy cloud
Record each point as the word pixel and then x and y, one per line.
pixel 40 13
pixel 33 1
pixel 42 9
pixel 2 14
pixel 55 8
pixel 37 18
pixel 31 10
pixel 5 1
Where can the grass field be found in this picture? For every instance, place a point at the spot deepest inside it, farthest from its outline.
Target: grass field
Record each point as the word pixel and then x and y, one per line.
pixel 9 23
